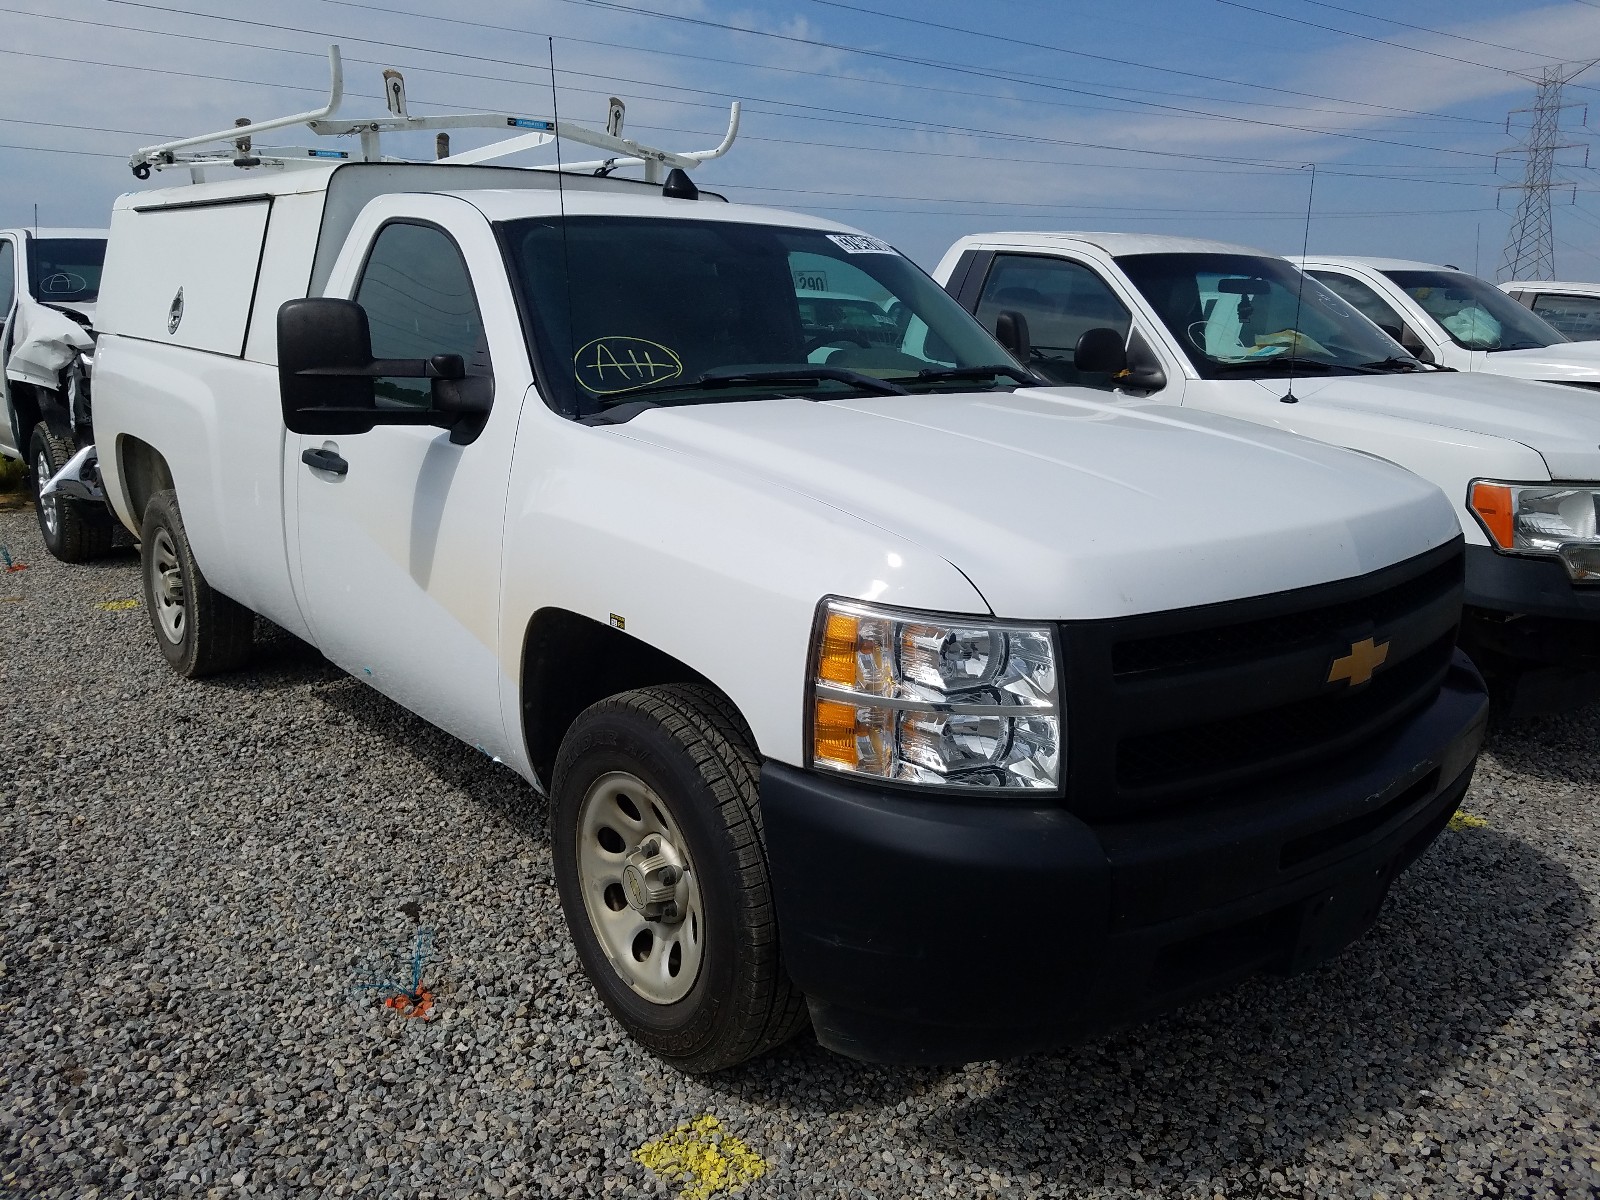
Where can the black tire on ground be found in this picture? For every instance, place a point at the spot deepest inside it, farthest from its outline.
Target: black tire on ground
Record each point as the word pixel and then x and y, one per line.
pixel 201 631
pixel 689 746
pixel 73 531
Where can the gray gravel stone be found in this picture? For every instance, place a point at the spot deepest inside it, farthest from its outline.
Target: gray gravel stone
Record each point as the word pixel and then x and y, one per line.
pixel 197 875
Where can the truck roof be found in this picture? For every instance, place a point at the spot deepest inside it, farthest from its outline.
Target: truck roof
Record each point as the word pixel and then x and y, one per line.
pixel 1551 285
pixel 507 204
pixel 1124 243
pixel 1377 264
pixel 57 232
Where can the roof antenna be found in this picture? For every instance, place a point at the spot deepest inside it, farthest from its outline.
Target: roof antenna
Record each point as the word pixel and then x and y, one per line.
pixel 561 201
pixel 1294 336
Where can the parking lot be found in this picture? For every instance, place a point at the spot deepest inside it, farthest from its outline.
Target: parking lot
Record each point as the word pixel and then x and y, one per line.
pixel 200 878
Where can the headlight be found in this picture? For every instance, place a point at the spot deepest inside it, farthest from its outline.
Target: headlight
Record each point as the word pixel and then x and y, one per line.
pixel 926 699
pixel 1549 519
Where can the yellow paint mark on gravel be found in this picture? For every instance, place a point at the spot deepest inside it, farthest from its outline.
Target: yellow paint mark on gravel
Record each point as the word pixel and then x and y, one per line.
pixel 1466 820
pixel 117 605
pixel 699 1155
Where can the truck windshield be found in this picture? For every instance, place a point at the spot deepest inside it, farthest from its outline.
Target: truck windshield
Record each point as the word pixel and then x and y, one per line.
pixel 1236 315
pixel 656 306
pixel 1474 314
pixel 64 270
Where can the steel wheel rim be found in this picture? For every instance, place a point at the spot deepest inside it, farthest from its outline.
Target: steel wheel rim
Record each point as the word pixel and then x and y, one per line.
pixel 48 511
pixel 659 957
pixel 166 586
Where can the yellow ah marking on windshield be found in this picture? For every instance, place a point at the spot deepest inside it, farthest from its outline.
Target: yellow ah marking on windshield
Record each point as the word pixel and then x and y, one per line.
pixel 699 1155
pixel 618 363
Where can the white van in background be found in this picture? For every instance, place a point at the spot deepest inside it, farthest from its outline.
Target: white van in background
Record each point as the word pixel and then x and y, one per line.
pixel 1572 308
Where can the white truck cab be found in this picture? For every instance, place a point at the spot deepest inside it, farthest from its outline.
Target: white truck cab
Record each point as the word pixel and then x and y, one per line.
pixel 845 657
pixel 1210 326
pixel 1446 316
pixel 1571 308
pixel 49 281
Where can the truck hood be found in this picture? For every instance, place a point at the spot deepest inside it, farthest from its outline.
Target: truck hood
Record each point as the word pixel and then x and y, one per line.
pixel 1574 362
pixel 1561 424
pixel 1064 504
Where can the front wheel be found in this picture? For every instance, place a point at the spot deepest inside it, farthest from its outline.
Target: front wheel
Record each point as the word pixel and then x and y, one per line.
pixel 200 631
pixel 659 860
pixel 72 530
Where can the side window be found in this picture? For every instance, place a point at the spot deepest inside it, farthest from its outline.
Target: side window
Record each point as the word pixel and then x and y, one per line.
pixel 8 277
pixel 419 303
pixel 1061 301
pixel 1368 303
pixel 1576 316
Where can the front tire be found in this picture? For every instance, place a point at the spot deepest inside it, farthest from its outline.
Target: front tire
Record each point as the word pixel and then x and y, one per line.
pixel 660 863
pixel 73 531
pixel 200 631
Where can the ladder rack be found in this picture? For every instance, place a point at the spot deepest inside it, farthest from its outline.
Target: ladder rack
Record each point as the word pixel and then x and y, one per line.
pixel 527 132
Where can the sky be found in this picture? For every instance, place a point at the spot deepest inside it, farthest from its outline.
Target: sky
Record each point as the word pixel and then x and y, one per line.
pixel 915 120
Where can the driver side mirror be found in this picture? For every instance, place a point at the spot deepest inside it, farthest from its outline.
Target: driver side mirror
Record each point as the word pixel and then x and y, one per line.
pixel 326 373
pixel 1011 331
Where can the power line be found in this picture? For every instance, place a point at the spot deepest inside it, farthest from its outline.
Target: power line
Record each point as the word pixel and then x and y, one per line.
pixel 1121 63
pixel 1031 81
pixel 1267 12
pixel 985 74
pixel 1425 29
pixel 872 119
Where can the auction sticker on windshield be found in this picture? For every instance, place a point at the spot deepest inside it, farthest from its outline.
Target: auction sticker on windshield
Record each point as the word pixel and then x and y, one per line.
pixel 860 243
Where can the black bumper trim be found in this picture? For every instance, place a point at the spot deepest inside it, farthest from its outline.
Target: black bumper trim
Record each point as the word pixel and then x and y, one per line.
pixel 930 930
pixel 1533 586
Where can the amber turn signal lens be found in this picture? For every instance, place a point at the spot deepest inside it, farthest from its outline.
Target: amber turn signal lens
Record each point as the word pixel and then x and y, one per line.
pixel 834 734
pixel 836 663
pixel 1492 503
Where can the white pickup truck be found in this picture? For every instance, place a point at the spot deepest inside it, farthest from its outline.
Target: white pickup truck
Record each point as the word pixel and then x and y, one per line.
pixel 49 279
pixel 966 717
pixel 1212 326
pixel 1446 316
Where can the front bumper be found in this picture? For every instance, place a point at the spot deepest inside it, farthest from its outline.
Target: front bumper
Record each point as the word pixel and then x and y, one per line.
pixel 1528 609
pixel 935 931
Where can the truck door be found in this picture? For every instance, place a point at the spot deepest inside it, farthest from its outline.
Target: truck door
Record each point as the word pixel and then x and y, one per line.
pixel 1061 299
pixel 399 529
pixel 13 440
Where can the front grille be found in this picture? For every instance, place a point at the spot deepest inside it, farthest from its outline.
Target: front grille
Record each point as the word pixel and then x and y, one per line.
pixel 1180 706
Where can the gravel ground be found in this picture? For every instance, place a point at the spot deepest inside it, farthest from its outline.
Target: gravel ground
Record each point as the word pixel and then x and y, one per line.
pixel 198 877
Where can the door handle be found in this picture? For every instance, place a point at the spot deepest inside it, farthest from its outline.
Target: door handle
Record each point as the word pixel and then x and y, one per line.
pixel 325 460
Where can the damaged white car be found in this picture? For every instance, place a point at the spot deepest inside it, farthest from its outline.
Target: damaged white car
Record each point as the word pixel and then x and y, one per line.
pixel 49 282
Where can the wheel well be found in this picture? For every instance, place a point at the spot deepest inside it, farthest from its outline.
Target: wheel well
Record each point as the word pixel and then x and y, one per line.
pixel 144 473
pixel 570 662
pixel 25 403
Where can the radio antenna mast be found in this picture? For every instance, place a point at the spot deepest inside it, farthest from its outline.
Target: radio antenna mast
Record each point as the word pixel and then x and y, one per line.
pixel 561 203
pixel 1289 397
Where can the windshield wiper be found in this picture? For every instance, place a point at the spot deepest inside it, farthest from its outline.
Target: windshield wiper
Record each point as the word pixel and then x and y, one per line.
pixel 1277 362
pixel 1395 363
pixel 991 371
pixel 726 377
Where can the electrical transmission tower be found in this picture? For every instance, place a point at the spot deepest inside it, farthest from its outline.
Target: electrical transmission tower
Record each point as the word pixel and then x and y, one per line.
pixel 1530 246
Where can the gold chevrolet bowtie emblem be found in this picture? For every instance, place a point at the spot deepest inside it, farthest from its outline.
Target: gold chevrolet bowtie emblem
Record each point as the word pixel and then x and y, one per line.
pixel 1356 668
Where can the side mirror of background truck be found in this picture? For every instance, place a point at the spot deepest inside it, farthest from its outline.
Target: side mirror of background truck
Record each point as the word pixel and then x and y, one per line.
pixel 326 373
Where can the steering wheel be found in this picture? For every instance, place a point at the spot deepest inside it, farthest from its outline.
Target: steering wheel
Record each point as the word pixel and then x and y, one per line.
pixel 829 339
pixel 63 281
